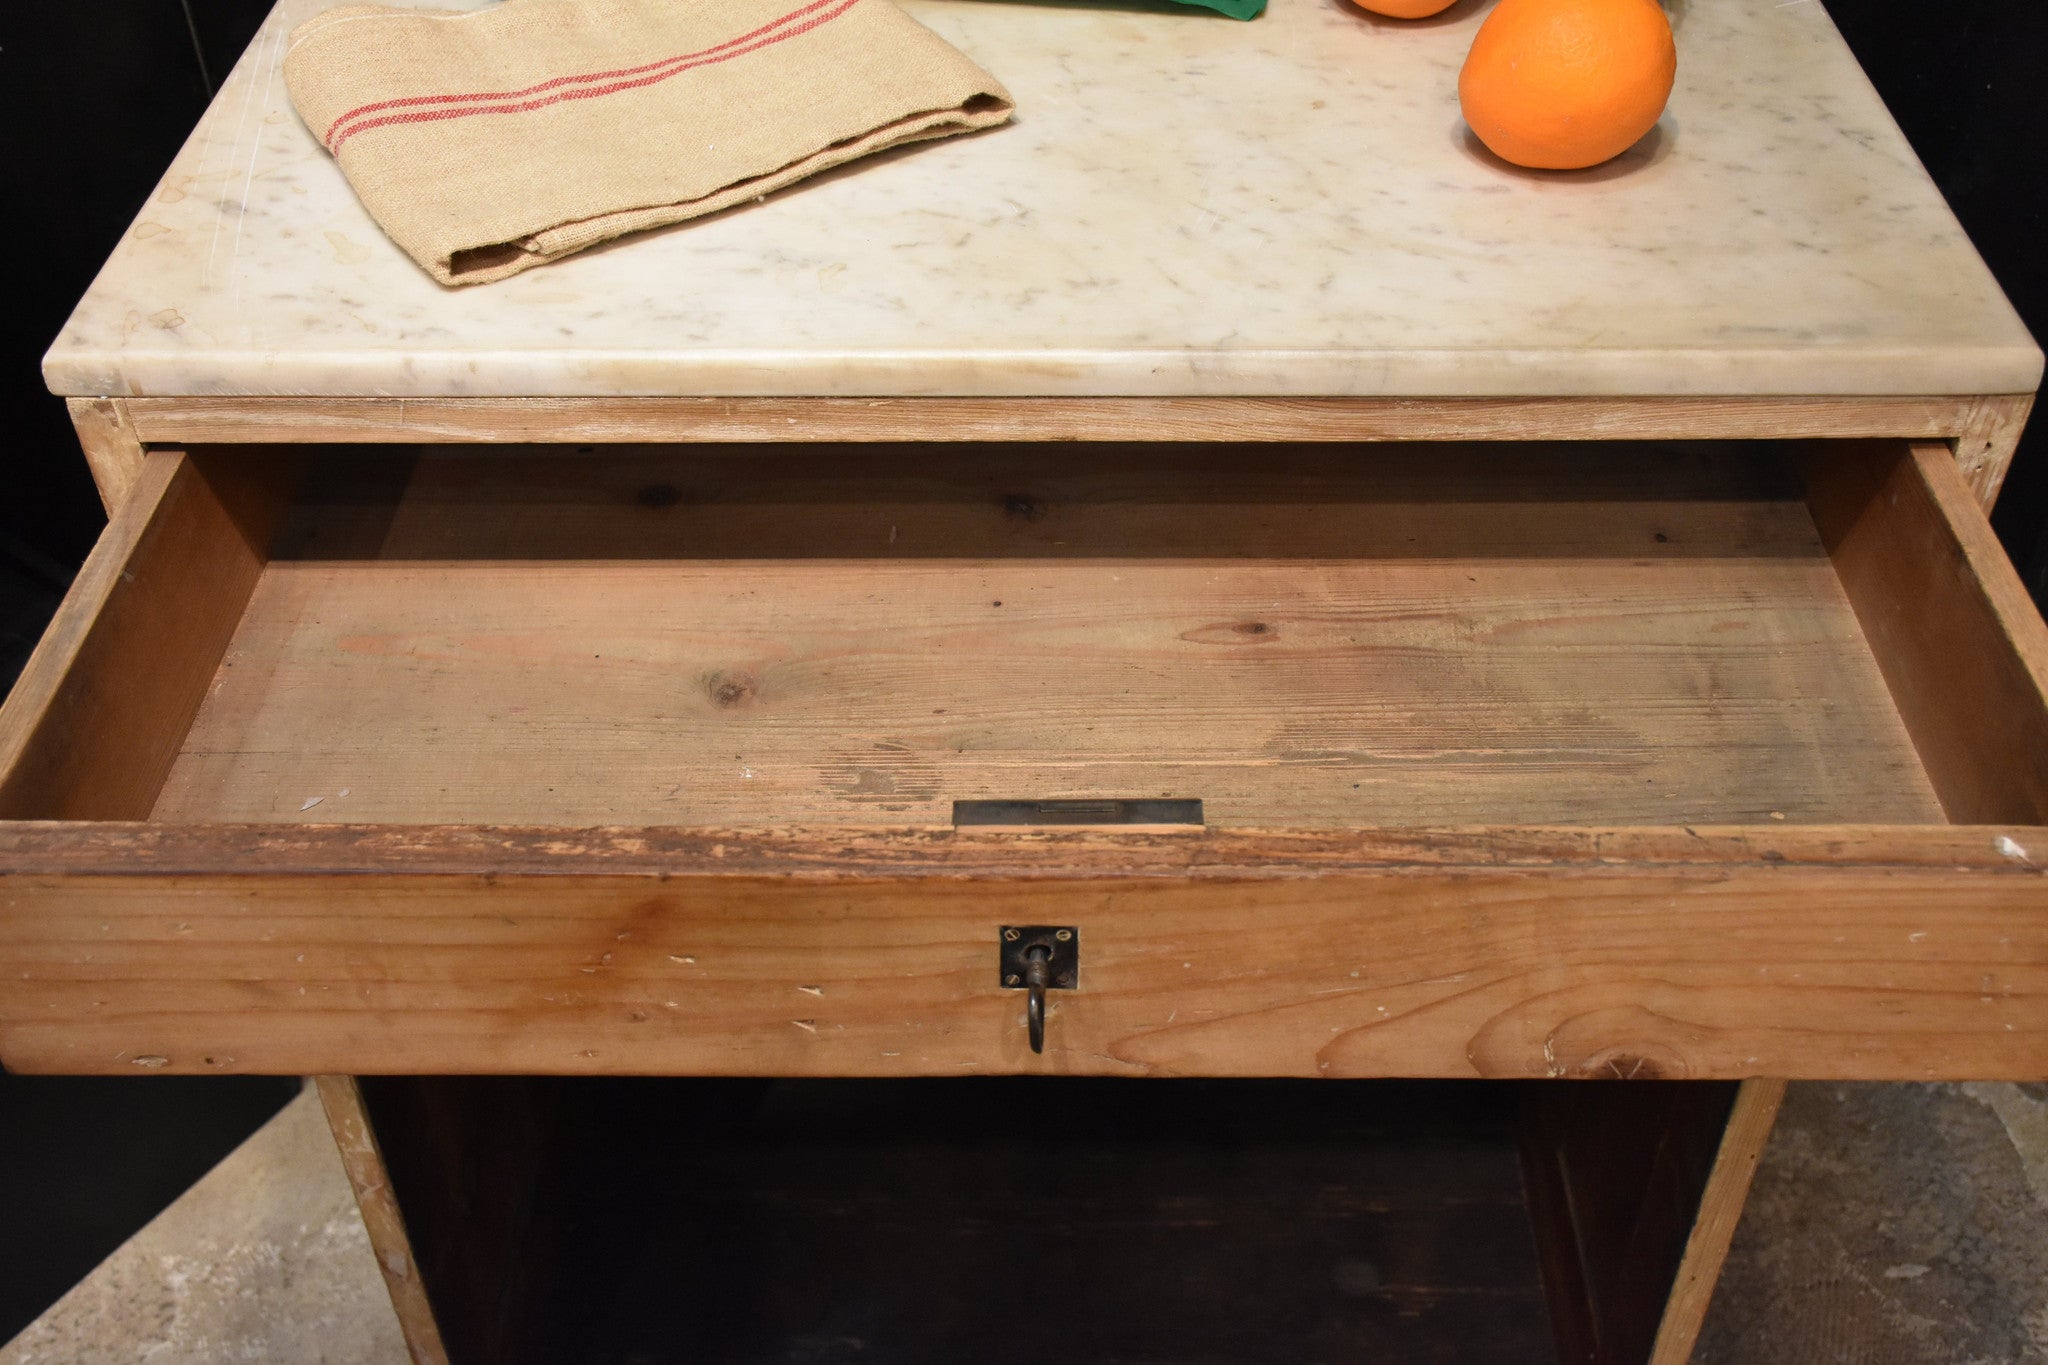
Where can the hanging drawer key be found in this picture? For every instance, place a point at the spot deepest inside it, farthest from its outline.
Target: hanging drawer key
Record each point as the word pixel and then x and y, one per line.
pixel 1038 958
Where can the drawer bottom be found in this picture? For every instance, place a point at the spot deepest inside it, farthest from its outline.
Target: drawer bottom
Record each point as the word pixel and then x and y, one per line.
pixel 1023 1219
pixel 1308 639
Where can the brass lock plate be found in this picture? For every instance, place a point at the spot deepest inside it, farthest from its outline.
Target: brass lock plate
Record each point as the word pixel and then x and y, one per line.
pixel 1063 964
pixel 1109 812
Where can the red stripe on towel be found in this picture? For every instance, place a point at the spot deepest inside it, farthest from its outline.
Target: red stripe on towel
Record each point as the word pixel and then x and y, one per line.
pixel 579 87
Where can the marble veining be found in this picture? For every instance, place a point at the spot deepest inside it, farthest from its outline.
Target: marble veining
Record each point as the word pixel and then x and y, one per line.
pixel 1184 205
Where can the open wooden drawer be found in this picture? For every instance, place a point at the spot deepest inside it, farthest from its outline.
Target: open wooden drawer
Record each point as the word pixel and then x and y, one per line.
pixel 1679 761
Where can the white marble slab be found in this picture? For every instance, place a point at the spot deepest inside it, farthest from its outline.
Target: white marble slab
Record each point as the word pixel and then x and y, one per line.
pixel 1184 205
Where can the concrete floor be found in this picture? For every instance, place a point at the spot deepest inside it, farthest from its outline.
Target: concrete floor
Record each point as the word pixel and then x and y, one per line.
pixel 1892 1225
pixel 1888 1225
pixel 265 1259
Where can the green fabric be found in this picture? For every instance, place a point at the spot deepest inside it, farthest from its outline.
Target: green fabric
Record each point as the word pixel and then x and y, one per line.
pixel 1236 9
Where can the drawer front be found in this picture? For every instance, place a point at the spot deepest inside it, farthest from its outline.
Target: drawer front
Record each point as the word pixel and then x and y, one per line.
pixel 1498 953
pixel 1639 769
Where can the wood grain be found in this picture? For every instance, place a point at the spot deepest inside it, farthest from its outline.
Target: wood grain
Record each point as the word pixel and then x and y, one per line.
pixel 363 1159
pixel 1614 1175
pixel 113 451
pixel 475 1168
pixel 598 420
pixel 1742 1146
pixel 1961 644
pixel 1871 953
pixel 1039 856
pixel 101 707
pixel 651 1220
pixel 1989 438
pixel 1297 636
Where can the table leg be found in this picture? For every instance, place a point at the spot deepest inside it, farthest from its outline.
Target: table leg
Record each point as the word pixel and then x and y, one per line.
pixel 1634 1190
pixel 1750 1122
pixel 342 1097
pixel 112 449
pixel 1990 435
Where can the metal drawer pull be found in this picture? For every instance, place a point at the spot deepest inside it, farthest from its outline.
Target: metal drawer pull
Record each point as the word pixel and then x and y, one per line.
pixel 1038 958
pixel 1037 975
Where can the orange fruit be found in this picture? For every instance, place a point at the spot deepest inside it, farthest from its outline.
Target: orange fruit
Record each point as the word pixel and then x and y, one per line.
pixel 1562 84
pixel 1406 9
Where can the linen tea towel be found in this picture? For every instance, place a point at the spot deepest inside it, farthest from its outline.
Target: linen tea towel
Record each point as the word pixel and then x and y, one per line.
pixel 488 142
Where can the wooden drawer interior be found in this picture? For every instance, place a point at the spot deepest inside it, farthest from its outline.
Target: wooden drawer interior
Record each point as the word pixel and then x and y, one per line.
pixel 1710 761
pixel 1299 636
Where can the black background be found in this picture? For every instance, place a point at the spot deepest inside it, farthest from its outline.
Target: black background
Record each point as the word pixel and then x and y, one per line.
pixel 100 93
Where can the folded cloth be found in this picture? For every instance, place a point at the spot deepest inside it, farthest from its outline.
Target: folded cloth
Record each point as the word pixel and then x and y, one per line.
pixel 488 142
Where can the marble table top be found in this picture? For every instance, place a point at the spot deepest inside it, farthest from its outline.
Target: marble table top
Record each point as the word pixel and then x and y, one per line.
pixel 1184 205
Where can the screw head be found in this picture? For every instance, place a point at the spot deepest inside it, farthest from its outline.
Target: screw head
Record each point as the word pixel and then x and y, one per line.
pixel 1012 979
pixel 1064 935
pixel 1066 978
pixel 1010 935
